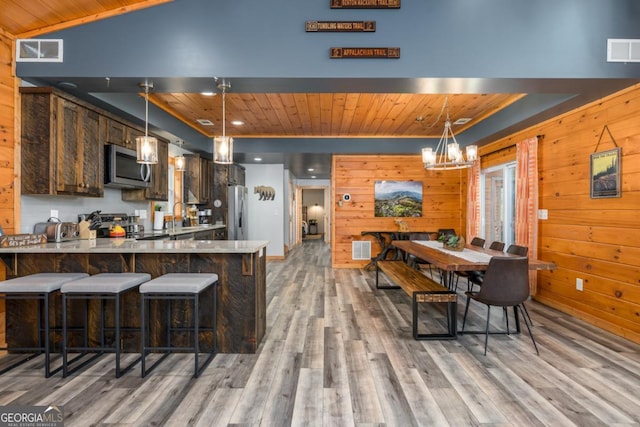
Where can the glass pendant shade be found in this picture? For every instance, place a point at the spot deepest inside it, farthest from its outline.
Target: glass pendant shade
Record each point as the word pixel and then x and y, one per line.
pixel 223 145
pixel 180 164
pixel 147 150
pixel 146 146
pixel 223 150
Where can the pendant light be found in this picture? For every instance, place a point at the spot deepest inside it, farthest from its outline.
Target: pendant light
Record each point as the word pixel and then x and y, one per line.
pixel 448 155
pixel 223 145
pixel 179 162
pixel 146 146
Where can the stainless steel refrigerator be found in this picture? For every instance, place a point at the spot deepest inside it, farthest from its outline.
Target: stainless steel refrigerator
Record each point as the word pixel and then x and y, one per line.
pixel 237 221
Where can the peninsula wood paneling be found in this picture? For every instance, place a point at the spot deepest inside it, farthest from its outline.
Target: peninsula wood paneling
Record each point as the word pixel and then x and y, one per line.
pixel 597 240
pixel 443 200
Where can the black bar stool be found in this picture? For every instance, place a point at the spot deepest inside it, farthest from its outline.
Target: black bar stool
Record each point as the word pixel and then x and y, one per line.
pixel 40 287
pixel 171 287
pixel 103 287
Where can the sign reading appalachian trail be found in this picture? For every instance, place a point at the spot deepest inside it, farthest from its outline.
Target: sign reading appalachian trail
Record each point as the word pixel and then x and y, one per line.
pixel 340 26
pixel 364 52
pixel 365 4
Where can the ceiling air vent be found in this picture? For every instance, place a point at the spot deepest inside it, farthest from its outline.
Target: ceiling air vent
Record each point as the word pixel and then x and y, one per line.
pixel 623 50
pixel 39 50
pixel 361 249
pixel 205 122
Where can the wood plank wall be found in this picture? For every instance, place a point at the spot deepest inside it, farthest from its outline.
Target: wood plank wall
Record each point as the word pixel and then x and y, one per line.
pixel 597 240
pixel 443 205
pixel 8 95
pixel 7 134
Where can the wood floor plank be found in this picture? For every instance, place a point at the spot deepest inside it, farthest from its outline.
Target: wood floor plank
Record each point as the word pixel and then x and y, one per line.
pixel 308 408
pixel 339 352
pixel 364 399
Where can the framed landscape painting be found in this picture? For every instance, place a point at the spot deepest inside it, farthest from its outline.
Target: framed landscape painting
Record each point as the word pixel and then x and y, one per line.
pixel 398 198
pixel 605 174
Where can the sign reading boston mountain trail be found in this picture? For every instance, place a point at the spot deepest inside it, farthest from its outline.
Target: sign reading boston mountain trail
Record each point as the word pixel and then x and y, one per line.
pixel 340 26
pixel 365 52
pixel 365 4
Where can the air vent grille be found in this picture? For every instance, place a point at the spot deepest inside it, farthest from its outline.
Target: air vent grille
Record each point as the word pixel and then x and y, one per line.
pixel 623 50
pixel 39 50
pixel 361 250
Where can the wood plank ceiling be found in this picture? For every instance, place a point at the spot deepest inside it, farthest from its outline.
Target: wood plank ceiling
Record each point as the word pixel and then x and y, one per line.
pixel 271 114
pixel 331 114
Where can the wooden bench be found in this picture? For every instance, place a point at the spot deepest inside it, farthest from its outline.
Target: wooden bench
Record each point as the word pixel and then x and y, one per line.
pixel 421 289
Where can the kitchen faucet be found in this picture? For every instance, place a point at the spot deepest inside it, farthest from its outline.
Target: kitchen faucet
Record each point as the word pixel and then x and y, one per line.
pixel 173 215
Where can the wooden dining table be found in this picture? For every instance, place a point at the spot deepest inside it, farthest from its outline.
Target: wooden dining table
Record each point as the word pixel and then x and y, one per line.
pixel 472 258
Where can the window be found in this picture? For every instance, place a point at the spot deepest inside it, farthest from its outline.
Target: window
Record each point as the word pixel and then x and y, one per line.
pixel 498 203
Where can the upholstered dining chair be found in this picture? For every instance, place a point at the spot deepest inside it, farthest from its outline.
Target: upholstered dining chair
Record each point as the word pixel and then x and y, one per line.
pixel 476 241
pixel 475 277
pixel 506 284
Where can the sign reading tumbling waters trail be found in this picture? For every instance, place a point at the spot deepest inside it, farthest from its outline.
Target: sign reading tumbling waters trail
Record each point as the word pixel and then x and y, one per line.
pixel 340 26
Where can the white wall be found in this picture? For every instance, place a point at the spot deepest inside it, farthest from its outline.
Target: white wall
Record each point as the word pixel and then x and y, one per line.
pixel 36 209
pixel 266 217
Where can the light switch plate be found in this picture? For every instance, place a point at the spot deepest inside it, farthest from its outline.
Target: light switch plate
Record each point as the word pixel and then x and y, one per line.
pixel 543 214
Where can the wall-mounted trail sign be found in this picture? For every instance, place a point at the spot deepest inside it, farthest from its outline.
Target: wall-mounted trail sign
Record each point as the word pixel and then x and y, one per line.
pixel 365 4
pixel 340 26
pixel 364 52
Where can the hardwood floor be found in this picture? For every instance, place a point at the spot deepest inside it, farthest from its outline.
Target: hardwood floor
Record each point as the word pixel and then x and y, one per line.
pixel 339 352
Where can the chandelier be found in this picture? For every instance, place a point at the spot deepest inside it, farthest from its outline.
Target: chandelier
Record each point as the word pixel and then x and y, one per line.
pixel 223 145
pixel 146 146
pixel 448 154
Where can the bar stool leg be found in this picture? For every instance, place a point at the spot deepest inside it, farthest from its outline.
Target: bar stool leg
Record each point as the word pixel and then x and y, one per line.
pixel 47 359
pixel 196 341
pixel 117 338
pixel 64 337
pixel 143 335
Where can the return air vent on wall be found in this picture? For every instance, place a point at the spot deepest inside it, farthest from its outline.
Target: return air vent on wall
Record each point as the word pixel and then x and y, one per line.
pixel 361 249
pixel 39 50
pixel 623 50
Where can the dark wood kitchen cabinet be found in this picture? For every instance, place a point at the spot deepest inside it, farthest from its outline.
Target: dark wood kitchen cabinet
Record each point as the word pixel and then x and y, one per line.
pixel 159 189
pixel 121 134
pixel 61 149
pixel 198 179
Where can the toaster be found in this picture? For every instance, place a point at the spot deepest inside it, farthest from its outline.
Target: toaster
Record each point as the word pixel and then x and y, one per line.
pixel 58 231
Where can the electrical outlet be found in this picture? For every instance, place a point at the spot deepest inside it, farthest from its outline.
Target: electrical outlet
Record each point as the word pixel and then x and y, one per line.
pixel 54 213
pixel 543 214
pixel 579 284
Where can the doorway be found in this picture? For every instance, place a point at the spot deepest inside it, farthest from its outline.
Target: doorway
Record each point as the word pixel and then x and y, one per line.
pixel 498 187
pixel 313 208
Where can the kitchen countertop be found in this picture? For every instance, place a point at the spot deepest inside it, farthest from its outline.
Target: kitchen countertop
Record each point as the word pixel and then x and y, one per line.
pixel 122 245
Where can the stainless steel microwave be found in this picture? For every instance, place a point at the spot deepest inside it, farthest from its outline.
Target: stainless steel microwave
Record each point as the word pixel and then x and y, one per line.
pixel 121 170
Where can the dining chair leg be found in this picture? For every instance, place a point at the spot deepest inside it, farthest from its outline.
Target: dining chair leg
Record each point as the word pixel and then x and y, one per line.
pixel 506 316
pixel 526 312
pixel 526 322
pixel 486 331
pixel 466 310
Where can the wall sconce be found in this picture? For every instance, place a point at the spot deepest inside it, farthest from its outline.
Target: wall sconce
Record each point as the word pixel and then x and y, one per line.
pixel 146 146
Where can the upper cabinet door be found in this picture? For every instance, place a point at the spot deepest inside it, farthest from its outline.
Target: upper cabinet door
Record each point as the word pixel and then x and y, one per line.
pixel 61 145
pixel 79 154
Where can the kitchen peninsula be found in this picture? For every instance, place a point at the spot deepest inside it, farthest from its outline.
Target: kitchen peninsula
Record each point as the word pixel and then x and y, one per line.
pixel 240 265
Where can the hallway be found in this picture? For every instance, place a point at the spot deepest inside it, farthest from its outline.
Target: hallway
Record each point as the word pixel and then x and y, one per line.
pixel 338 352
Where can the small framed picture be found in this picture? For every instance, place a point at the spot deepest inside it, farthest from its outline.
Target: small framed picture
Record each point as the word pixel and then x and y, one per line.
pixel 605 174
